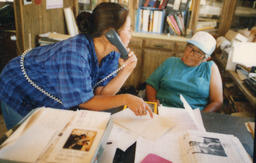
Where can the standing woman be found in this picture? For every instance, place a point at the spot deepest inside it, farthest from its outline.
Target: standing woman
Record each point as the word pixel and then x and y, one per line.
pixel 64 75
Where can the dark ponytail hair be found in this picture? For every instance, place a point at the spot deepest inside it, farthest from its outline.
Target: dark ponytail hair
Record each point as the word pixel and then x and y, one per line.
pixel 105 16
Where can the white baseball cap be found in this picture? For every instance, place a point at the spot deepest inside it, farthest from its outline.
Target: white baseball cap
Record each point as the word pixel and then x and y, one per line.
pixel 204 41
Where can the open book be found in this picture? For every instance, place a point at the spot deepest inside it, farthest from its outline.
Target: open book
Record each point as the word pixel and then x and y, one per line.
pixel 54 135
pixel 199 147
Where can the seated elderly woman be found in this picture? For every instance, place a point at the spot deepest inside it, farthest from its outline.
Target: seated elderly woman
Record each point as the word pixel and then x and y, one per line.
pixel 192 76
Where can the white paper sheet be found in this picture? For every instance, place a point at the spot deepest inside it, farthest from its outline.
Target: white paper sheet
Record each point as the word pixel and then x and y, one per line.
pixel 191 113
pixel 52 4
pixel 199 119
pixel 71 22
pixel 244 53
pixel 166 147
pixel 149 128
pixel 181 119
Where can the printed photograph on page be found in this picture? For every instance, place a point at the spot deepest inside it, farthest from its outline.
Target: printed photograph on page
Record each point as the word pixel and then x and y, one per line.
pixel 207 145
pixel 80 139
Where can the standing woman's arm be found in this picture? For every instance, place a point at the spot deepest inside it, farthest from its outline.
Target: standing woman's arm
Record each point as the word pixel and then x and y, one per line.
pixel 136 104
pixel 117 82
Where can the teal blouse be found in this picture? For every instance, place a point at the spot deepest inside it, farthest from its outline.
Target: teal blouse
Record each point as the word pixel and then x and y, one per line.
pixel 173 78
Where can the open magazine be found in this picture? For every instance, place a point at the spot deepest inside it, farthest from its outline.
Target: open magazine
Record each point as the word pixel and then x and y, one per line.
pixel 199 147
pixel 54 135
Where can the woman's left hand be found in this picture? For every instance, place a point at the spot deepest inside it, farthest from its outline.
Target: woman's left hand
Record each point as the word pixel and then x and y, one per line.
pixel 130 62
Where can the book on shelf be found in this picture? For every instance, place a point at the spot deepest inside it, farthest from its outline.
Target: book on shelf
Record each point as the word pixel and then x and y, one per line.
pixel 163 4
pixel 174 24
pixel 176 5
pixel 181 16
pixel 146 3
pixel 206 24
pixel 152 16
pixel 150 20
pixel 199 147
pixel 179 19
pixel 145 20
pixel 55 135
pixel 150 3
pixel 171 29
pixel 183 5
pixel 170 5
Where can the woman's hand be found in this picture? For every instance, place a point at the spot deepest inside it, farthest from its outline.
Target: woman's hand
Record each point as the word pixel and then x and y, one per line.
pixel 130 62
pixel 138 105
pixel 151 94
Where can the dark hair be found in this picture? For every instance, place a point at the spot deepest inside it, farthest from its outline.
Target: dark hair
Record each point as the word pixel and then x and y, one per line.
pixel 106 15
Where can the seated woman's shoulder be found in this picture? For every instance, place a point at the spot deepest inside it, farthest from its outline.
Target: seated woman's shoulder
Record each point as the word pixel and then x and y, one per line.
pixel 173 58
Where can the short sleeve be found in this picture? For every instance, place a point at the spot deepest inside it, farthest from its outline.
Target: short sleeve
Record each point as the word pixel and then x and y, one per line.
pixel 74 80
pixel 155 78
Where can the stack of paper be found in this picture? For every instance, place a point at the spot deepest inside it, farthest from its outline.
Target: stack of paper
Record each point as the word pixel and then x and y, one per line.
pixel 164 136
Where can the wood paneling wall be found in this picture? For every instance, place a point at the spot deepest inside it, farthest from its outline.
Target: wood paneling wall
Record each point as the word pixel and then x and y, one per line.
pixel 33 19
pixel 226 16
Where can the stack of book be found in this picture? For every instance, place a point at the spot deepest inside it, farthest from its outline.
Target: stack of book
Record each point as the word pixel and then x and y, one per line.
pixel 176 24
pixel 206 24
pixel 163 16
pixel 51 37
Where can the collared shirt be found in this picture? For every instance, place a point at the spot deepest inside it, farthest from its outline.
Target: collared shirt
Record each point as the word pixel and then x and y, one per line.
pixel 68 70
pixel 173 78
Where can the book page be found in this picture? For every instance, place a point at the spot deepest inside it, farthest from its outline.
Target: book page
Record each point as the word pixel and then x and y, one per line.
pixel 149 128
pixel 29 146
pixel 212 148
pixel 81 139
pixel 34 135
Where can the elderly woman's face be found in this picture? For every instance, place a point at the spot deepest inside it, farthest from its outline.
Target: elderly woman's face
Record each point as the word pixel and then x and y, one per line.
pixel 193 56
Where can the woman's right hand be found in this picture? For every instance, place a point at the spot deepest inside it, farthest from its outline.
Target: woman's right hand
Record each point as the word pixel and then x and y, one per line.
pixel 138 105
pixel 130 63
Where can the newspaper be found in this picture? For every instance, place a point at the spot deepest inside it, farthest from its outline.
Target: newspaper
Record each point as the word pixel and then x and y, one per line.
pixel 199 147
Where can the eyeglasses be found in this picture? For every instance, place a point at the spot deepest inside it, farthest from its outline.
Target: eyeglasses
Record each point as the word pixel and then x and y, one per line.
pixel 196 53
